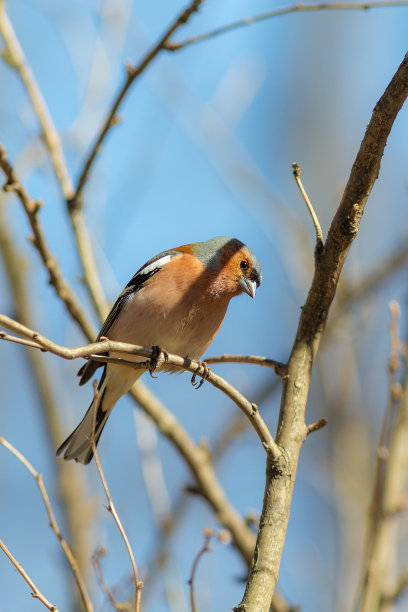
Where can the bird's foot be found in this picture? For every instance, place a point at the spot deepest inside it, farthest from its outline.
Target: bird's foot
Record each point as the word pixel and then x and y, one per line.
pixel 158 355
pixel 204 377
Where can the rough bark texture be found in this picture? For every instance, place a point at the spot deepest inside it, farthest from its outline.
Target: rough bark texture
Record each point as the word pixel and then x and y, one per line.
pixel 291 432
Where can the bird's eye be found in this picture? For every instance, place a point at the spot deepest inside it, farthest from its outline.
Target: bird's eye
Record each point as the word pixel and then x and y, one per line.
pixel 244 265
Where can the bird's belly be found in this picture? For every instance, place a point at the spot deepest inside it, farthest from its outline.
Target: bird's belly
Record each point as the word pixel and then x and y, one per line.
pixel 177 328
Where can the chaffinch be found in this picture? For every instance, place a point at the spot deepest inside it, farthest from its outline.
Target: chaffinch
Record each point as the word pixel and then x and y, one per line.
pixel 177 301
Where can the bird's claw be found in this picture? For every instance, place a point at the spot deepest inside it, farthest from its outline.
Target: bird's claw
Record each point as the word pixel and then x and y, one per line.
pixel 204 377
pixel 158 354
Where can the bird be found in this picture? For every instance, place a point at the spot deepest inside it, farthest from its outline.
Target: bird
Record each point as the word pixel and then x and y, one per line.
pixel 176 303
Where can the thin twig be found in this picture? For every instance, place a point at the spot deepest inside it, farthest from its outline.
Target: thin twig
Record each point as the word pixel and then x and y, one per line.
pixel 316 426
pixel 36 593
pixel 132 74
pixel 95 352
pixel 208 534
pixel 112 508
pixel 295 8
pixel 99 553
pixel 319 234
pixel 277 366
pixel 117 605
pixel 53 524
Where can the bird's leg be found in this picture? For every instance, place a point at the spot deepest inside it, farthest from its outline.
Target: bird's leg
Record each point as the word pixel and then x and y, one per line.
pixel 158 354
pixel 206 374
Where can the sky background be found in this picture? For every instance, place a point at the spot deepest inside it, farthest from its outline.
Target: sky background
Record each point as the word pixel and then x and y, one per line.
pixel 204 148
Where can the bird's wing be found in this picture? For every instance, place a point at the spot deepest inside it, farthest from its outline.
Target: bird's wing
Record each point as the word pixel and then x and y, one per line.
pixel 136 283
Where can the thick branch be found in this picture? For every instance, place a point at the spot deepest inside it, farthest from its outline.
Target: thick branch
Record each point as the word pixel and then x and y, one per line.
pixel 291 431
pixel 200 463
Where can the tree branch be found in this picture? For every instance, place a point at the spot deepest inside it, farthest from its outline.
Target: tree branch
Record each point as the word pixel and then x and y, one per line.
pixel 70 482
pixel 54 525
pixel 389 484
pixel 15 57
pixel 132 74
pixel 200 463
pixel 36 593
pixel 112 508
pixel 56 278
pixel 208 534
pixel 95 352
pixel 277 366
pixel 319 234
pixel 281 474
pixel 296 8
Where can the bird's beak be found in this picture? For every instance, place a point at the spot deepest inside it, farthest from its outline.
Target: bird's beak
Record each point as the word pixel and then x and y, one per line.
pixel 248 286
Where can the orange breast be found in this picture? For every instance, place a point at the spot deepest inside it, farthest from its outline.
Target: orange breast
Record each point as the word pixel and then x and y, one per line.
pixel 175 310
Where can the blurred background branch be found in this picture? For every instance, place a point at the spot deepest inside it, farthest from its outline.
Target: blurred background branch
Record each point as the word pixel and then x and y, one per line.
pixel 203 148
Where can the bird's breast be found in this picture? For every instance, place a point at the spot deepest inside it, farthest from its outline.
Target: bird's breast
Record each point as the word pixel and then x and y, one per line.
pixel 182 323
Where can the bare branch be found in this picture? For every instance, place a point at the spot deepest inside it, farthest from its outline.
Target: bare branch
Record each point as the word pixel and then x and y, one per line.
pixel 112 508
pixel 208 534
pixel 319 234
pixel 223 538
pixel 53 524
pixel 132 74
pixel 281 474
pixel 388 495
pixel 36 593
pixel 391 595
pixel 316 426
pixel 200 463
pixel 56 277
pixel 16 58
pixel 277 366
pixel 71 482
pixel 95 351
pixel 117 605
pixel 295 8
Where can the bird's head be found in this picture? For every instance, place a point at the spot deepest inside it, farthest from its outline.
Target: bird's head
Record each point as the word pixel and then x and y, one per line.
pixel 236 268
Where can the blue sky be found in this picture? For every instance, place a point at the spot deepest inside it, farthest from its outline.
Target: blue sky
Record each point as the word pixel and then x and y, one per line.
pixel 204 148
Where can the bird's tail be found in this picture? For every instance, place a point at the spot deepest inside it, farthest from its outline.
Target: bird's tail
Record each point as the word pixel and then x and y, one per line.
pixel 77 446
pixel 115 381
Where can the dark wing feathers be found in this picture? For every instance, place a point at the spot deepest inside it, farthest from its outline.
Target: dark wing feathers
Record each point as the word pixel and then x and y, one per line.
pixel 135 284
